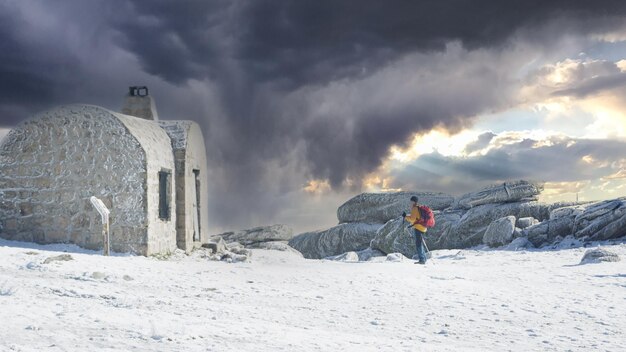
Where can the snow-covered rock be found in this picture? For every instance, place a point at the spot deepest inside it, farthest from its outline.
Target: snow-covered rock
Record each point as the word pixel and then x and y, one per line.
pixel 58 258
pixel 336 240
pixel 567 211
pixel 529 221
pixel 455 228
pixel 216 244
pixel 504 193
pixel 520 243
pixel 548 231
pixel 230 252
pixel 345 257
pixel 368 254
pixel 395 257
pixel 394 237
pixel 378 208
pixel 277 246
pixel 470 229
pixel 602 221
pixel 598 255
pixel 252 237
pixel 597 221
pixel 500 232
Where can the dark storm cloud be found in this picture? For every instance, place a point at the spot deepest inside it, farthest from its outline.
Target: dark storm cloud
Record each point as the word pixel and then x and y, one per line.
pixel 285 90
pixel 31 74
pixel 299 42
pixel 562 161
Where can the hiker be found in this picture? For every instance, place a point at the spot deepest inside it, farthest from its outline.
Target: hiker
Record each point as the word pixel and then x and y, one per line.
pixel 415 218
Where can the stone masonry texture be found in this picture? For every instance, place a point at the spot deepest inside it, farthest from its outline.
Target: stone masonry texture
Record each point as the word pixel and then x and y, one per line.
pixel 53 163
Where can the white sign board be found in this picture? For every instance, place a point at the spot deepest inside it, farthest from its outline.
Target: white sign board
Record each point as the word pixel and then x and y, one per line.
pixel 101 208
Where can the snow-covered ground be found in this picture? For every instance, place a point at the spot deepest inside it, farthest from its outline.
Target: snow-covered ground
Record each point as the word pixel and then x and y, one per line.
pixel 465 300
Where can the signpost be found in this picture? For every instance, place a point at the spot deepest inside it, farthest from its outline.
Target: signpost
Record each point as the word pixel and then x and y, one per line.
pixel 104 213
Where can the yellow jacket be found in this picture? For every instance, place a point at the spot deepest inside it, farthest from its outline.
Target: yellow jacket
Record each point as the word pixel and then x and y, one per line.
pixel 413 217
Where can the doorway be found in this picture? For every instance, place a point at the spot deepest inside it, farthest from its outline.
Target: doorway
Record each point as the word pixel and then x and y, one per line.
pixel 196 205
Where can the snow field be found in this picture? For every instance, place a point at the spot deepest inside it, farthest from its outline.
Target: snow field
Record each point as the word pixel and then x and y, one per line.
pixel 468 300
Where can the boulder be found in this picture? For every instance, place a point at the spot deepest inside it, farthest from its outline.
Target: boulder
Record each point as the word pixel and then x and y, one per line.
pixel 500 232
pixel 529 221
pixel 378 208
pixel 567 211
pixel 602 220
pixel 470 229
pixel 334 241
pixel 395 257
pixel 394 237
pixel 251 237
pixel 507 192
pixel 518 244
pixel 549 231
pixel 277 246
pixel 368 254
pixel 216 245
pixel 345 257
pixel 598 255
pixel 58 258
pixel 231 257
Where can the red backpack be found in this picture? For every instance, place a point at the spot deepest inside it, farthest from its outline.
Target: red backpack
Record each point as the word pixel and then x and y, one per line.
pixel 427 216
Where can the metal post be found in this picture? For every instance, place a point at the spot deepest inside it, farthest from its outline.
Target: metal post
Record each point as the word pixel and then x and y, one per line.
pixel 106 240
pixel 104 214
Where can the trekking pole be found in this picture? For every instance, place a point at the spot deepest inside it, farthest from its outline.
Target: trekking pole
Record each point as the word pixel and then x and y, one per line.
pixel 428 250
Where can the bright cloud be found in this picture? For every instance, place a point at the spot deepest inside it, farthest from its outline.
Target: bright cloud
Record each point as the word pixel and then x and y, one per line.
pixel 570 166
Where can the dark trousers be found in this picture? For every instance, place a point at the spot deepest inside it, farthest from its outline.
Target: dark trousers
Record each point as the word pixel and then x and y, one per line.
pixel 419 244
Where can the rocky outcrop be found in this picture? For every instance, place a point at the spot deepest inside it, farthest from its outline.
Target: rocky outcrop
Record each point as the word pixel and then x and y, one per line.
pixel 500 232
pixel 334 241
pixel 378 208
pixel 598 255
pixel 454 228
pixel 602 221
pixel 548 231
pixel 470 229
pixel 487 216
pixel 504 193
pixel 590 222
pixel 253 237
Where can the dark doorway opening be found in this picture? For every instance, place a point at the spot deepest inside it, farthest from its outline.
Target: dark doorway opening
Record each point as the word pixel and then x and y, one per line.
pixel 165 192
pixel 196 204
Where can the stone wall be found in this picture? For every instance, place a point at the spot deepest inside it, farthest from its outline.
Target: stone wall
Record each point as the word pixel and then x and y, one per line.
pixel 52 164
pixel 190 155
pixel 159 157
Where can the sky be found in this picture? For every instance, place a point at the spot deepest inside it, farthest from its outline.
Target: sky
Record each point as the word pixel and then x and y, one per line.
pixel 304 104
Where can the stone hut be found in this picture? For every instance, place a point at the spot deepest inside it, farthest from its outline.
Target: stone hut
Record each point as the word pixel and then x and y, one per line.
pixel 150 174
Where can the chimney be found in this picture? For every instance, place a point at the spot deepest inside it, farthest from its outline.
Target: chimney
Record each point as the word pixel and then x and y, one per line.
pixel 140 104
